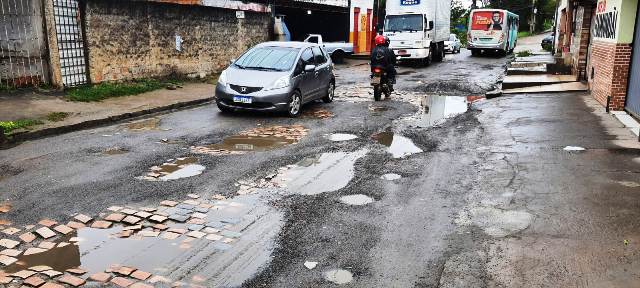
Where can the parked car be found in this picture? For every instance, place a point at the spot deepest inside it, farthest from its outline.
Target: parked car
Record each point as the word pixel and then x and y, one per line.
pixel 337 50
pixel 276 76
pixel 452 45
pixel 547 42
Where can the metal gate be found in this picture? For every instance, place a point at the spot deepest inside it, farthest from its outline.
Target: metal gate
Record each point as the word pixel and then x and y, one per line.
pixel 73 64
pixel 22 47
pixel 632 104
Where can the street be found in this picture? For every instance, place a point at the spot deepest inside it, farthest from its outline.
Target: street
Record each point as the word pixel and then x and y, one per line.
pixel 434 187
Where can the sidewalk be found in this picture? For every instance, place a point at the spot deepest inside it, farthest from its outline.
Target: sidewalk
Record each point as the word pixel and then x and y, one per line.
pixel 33 105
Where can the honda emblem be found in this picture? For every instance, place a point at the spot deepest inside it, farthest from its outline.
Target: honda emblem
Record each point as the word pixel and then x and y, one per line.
pixel 243 89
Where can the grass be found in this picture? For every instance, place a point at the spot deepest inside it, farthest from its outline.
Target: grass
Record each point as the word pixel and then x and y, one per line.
pixel 57 116
pixel 525 53
pixel 9 126
pixel 523 34
pixel 109 90
pixel 5 88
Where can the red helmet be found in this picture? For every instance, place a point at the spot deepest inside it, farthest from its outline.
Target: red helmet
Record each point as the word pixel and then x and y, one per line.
pixel 380 40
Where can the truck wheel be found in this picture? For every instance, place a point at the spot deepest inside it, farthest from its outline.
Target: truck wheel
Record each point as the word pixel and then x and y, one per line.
pixel 439 56
pixel 427 61
pixel 475 52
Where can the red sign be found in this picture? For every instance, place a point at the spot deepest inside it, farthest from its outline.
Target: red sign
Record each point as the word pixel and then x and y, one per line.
pixel 487 20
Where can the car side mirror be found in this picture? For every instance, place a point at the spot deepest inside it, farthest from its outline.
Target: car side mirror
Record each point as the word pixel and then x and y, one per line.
pixel 309 68
pixel 430 25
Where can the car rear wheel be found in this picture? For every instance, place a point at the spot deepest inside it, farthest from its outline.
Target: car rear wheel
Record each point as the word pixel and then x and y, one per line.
pixel 330 93
pixel 295 104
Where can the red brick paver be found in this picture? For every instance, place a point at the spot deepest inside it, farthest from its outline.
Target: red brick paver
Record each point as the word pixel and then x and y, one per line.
pixel 121 282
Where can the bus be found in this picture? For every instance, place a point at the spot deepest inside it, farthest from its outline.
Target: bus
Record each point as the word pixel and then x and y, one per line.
pixel 492 30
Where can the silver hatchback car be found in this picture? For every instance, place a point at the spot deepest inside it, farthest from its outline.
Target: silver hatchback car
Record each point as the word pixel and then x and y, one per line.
pixel 277 76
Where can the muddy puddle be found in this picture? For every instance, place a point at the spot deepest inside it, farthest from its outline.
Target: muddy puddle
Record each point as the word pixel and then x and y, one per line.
pixel 338 137
pixel 390 177
pixel 338 276
pixel 224 243
pixel 175 169
pixel 398 145
pixel 144 125
pixel 255 140
pixel 435 110
pixel 356 200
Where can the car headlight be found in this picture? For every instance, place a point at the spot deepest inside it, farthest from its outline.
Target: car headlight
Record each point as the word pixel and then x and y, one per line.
pixel 281 83
pixel 222 79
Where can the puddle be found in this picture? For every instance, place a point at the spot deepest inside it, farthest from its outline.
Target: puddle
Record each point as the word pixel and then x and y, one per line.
pixel 337 137
pixel 624 183
pixel 255 140
pixel 176 169
pixel 356 200
pixel 636 160
pixel 324 173
pixel 574 149
pixel 338 276
pixel 496 222
pixel 144 125
pixel 390 177
pixel 115 151
pixel 398 146
pixel 378 108
pixel 437 109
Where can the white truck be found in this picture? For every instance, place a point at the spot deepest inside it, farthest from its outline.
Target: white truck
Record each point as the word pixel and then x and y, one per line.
pixel 417 29
pixel 337 50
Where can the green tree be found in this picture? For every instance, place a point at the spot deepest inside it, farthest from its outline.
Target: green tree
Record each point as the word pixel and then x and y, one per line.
pixel 459 18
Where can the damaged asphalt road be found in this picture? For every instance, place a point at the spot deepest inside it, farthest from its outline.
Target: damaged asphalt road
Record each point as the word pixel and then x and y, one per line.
pixel 353 193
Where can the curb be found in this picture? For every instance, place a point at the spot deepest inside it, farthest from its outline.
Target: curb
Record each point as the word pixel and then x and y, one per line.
pixel 14 139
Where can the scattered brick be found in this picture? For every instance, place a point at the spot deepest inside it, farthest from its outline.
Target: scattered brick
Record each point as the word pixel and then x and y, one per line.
pixel 191 202
pixel 160 227
pixel 76 271
pixel 101 224
pixel 71 280
pixel 121 282
pixel 83 218
pixel 115 217
pixel 115 208
pixel 40 268
pixel 64 229
pixel 158 218
pixel 140 275
pixel 51 285
pixel 143 214
pixel 147 233
pixel 170 235
pixel 23 274
pixel 46 245
pixel 100 277
pixel 51 273
pixel 47 222
pixel 193 196
pixel 131 220
pixel 199 215
pixel 148 209
pixel 196 234
pixel 140 285
pixel 45 232
pixel 34 281
pixel 177 230
pixel 32 251
pixel 124 234
pixel 11 252
pixel 27 237
pixel 157 278
pixel 11 231
pixel 75 225
pixel 124 270
pixel 7 260
pixel 5 280
pixel 214 237
pixel 8 243
pixel 168 203
pixel 128 211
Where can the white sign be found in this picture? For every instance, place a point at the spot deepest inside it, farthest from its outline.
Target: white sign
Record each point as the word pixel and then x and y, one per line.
pixel 178 43
pixel 240 14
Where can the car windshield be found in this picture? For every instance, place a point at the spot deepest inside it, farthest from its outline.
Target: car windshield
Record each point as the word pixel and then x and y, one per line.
pixel 268 58
pixel 399 23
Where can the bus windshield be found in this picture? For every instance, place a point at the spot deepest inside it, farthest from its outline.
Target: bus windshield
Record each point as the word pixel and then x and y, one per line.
pixel 487 20
pixel 400 23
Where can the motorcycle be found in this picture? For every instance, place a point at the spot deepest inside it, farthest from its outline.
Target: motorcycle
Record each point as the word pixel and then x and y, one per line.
pixel 381 83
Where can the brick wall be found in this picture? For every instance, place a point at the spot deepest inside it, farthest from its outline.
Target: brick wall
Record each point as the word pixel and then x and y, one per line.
pixel 583 32
pixel 135 39
pixel 610 63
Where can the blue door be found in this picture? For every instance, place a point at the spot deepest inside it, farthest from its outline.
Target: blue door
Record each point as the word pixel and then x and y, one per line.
pixel 633 94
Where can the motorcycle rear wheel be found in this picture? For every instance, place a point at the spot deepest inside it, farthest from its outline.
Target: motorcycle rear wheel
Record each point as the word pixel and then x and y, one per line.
pixel 377 93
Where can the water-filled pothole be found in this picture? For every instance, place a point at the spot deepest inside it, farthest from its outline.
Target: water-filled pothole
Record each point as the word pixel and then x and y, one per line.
pixel 144 125
pixel 399 146
pixel 175 169
pixel 356 200
pixel 337 137
pixel 390 177
pixel 437 109
pixel 255 140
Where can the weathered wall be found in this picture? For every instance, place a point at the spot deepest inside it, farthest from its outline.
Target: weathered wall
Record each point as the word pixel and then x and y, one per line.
pixel 128 40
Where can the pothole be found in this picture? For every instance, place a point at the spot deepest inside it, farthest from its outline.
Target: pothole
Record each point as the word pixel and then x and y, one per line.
pixel 496 222
pixel 390 177
pixel 399 146
pixel 435 110
pixel 338 276
pixel 338 137
pixel 115 151
pixel 255 140
pixel 144 125
pixel 629 184
pixel 574 149
pixel 356 200
pixel 175 169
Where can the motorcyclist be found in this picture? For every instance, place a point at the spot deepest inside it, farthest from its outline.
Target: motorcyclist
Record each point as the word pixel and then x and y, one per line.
pixel 382 56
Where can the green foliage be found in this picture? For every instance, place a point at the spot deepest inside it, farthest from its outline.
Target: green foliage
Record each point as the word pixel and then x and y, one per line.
pixel 108 90
pixel 9 126
pixel 523 34
pixel 525 53
pixel 57 116
pixel 459 16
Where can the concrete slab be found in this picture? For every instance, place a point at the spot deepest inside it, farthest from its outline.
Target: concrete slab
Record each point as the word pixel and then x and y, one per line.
pixel 562 87
pixel 533 70
pixel 537 58
pixel 527 64
pixel 539 78
pixel 627 120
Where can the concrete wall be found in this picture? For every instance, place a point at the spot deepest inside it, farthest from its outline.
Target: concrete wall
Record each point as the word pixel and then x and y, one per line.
pixel 128 40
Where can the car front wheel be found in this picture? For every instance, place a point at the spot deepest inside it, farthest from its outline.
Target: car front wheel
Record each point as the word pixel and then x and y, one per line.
pixel 295 104
pixel 330 93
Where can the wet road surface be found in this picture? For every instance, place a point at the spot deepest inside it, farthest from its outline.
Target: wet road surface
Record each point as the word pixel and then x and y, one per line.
pixel 422 190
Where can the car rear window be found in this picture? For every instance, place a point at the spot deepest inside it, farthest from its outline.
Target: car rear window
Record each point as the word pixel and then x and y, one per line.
pixel 268 58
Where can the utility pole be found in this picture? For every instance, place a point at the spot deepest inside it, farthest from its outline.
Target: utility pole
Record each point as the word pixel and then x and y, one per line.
pixel 534 10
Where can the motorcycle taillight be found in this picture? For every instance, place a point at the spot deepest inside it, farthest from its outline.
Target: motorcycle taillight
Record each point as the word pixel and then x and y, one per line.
pixel 377 70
